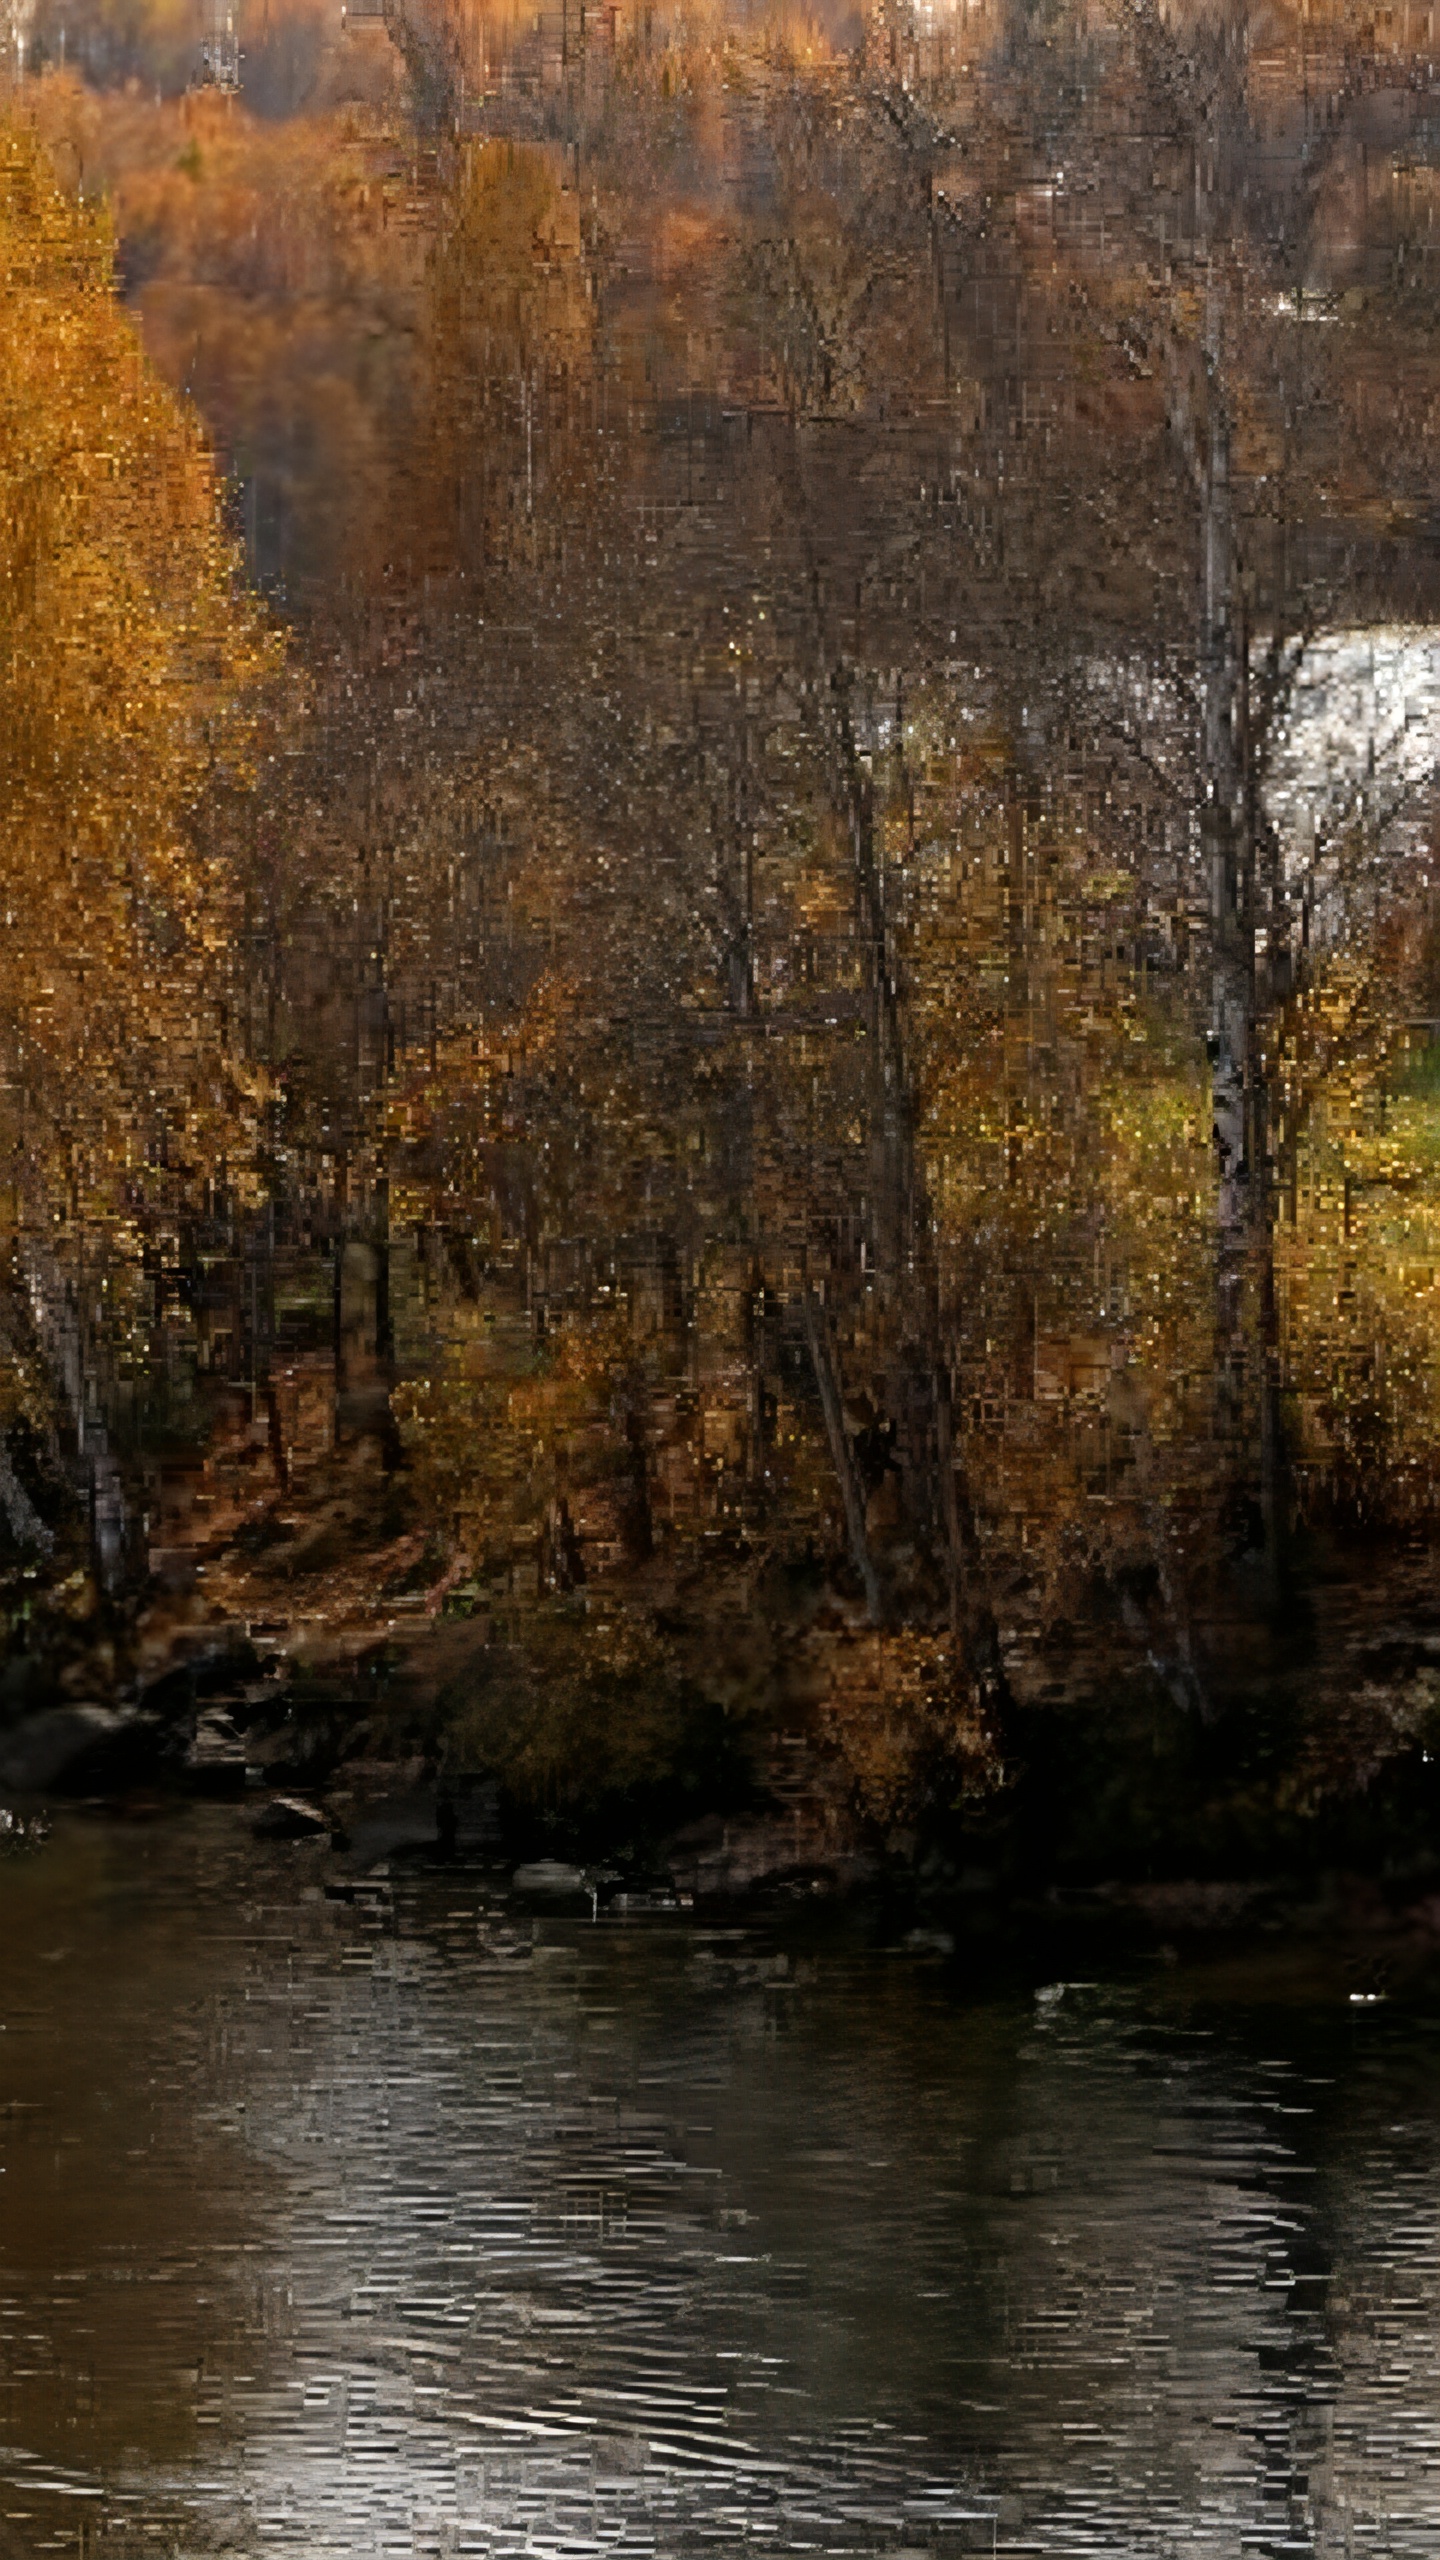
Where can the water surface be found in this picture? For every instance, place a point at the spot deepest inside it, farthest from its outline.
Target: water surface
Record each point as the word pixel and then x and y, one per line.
pixel 436 2228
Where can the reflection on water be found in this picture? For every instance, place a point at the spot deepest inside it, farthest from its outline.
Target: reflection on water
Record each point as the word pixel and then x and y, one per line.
pixel 429 2229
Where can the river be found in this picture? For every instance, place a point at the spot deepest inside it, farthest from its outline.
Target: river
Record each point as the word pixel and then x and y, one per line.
pixel 425 2224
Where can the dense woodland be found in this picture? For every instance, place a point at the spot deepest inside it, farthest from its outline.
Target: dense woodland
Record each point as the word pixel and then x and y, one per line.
pixel 720 1013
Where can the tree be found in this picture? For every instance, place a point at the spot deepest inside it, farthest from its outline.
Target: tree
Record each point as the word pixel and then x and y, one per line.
pixel 1155 234
pixel 130 670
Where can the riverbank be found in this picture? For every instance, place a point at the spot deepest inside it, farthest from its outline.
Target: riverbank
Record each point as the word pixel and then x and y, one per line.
pixel 309 1645
pixel 983 1910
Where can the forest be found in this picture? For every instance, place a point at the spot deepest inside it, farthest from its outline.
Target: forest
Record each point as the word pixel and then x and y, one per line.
pixel 720 1005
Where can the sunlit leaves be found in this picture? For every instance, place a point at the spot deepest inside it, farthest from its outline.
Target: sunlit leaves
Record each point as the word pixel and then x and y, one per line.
pixel 128 658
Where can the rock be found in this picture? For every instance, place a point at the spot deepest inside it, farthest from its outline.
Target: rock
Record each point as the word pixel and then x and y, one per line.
pixel 727 1859
pixel 1190 1903
pixel 75 1747
pixel 648 1897
pixel 374 1895
pixel 206 1673
pixel 374 1779
pixel 294 1750
pixel 290 1818
pixel 215 1761
pixel 22 1831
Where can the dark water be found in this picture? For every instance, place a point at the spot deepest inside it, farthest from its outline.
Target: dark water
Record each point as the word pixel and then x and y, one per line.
pixel 433 2229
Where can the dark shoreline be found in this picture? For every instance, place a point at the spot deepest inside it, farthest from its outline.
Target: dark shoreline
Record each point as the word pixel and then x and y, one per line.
pixel 1338 1935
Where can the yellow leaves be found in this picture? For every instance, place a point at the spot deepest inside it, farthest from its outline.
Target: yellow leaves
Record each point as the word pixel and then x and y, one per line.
pixel 450 1102
pixel 822 899
pixel 505 1429
pixel 46 244
pixel 505 337
pixel 902 1721
pixel 128 656
pixel 1357 1244
pixel 507 276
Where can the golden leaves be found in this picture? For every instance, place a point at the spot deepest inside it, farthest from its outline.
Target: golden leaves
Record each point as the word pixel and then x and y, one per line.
pixel 130 662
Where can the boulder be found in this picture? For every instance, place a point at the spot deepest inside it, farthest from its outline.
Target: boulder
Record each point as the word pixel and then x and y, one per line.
pixel 290 1818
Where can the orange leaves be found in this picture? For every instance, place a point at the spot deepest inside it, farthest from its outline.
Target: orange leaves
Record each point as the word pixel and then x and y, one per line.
pixel 127 657
pixel 506 335
pixel 277 271
pixel 506 283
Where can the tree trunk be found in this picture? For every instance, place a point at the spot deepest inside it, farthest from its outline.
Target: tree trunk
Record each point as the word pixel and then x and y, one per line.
pixel 896 1221
pixel 1247 1341
pixel 903 1229
pixel 974 1634
pixel 1243 1243
pixel 842 1456
pixel 58 1328
pixel 638 1520
pixel 21 1517
pixel 384 1313
pixel 1232 983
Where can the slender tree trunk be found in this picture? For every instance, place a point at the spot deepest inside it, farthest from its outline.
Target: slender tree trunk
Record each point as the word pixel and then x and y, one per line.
pixel 58 1320
pixel 21 1517
pixel 895 1222
pixel 1273 1468
pixel 974 1634
pixel 908 1248
pixel 1232 964
pixel 337 1309
pixel 842 1456
pixel 1232 1044
pixel 637 1519
pixel 903 1226
pixel 1247 1344
pixel 384 1312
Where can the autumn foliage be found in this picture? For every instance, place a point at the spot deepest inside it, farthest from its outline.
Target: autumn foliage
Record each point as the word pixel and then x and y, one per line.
pixel 811 1076
pixel 129 659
